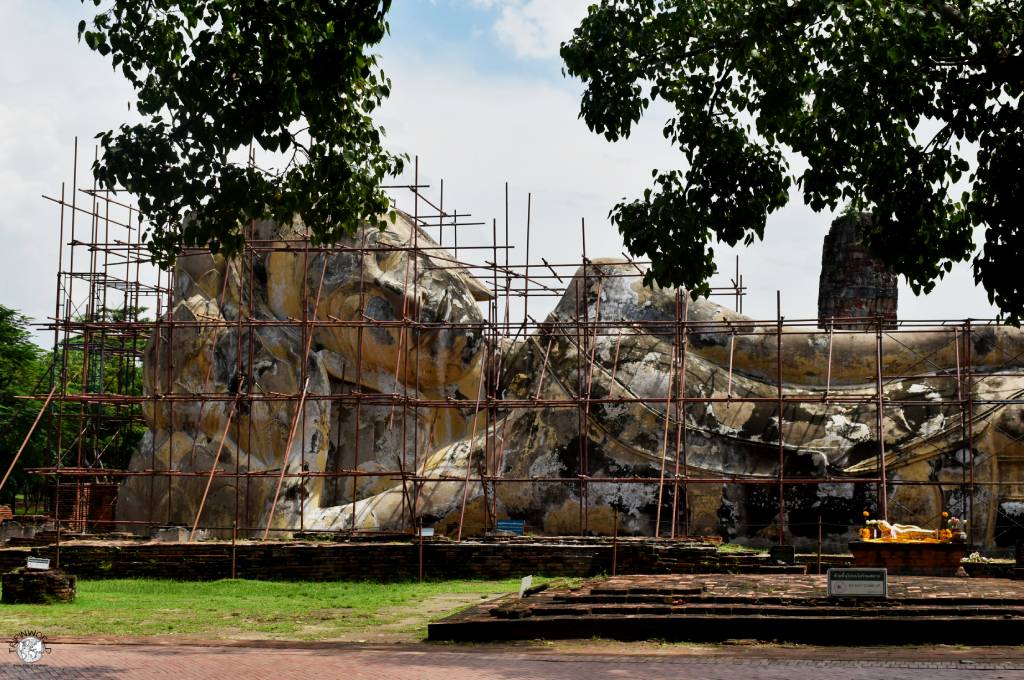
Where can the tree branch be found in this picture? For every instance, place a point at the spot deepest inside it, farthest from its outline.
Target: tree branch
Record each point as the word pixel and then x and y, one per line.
pixel 951 14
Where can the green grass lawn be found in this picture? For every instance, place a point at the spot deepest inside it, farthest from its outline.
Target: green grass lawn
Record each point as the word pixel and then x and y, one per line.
pixel 240 608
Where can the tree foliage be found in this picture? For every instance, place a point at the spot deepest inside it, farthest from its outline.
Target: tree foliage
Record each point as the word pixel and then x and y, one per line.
pixel 214 77
pixel 105 434
pixel 24 370
pixel 100 434
pixel 885 102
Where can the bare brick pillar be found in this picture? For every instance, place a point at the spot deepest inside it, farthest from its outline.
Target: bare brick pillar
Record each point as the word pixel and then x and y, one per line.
pixel 854 283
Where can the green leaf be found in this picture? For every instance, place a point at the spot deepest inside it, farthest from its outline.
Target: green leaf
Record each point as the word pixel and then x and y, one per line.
pixel 844 86
pixel 213 77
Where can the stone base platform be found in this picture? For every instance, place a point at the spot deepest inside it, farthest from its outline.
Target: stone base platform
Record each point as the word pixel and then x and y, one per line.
pixel 711 608
pixel 38 586
pixel 918 559
pixel 395 561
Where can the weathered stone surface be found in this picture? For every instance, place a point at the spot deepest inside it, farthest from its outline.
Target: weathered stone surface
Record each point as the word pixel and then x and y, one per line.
pixel 396 560
pixel 38 586
pixel 170 534
pixel 922 559
pixel 716 607
pixel 853 282
pixel 215 358
pixel 828 437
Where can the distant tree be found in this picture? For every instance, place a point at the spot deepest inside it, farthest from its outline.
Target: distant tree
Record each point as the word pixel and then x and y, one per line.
pixel 24 371
pixel 216 76
pixel 106 434
pixel 876 97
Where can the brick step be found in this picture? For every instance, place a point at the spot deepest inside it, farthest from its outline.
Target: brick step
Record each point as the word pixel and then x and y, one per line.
pixel 758 567
pixel 826 630
pixel 646 590
pixel 951 601
pixel 795 608
pixel 752 567
pixel 615 599
pixel 790 601
pixel 777 612
pixel 780 569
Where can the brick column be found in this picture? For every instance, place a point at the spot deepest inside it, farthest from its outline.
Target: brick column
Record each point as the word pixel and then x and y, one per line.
pixel 854 283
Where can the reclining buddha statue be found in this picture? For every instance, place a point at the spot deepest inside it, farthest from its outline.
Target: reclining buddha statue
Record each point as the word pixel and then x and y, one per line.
pixel 397 406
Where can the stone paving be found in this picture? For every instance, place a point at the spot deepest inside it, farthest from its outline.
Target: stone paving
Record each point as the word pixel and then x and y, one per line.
pixel 281 662
pixel 811 587
pixel 716 607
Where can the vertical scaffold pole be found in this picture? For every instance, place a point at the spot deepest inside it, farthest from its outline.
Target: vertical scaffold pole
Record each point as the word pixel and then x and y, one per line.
pixel 781 408
pixel 883 496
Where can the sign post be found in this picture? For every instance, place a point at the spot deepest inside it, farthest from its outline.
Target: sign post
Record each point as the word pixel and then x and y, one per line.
pixel 861 582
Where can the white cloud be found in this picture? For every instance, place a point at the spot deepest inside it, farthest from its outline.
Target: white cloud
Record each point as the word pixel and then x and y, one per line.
pixel 534 29
pixel 51 89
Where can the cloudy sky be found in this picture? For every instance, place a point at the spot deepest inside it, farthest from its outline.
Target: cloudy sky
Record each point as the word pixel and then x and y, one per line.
pixel 478 95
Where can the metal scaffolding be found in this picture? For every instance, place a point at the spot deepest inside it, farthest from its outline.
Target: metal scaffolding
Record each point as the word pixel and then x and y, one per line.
pixel 111 301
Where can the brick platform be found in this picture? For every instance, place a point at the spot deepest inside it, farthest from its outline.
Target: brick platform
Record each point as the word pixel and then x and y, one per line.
pixel 42 586
pixel 712 608
pixel 311 561
pixel 332 561
pixel 920 559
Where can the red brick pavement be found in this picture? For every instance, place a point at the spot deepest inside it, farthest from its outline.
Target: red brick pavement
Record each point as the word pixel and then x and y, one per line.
pixel 410 662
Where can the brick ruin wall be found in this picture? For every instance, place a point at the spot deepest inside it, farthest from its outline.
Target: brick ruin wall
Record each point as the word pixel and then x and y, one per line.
pixel 853 282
